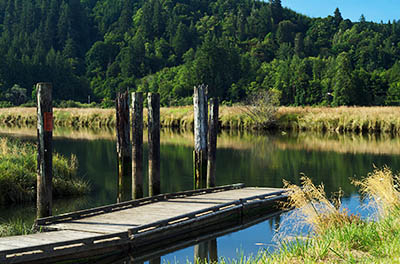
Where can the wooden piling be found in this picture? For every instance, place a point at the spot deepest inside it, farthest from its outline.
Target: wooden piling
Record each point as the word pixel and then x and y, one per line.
pixel 200 136
pixel 137 145
pixel 153 100
pixel 212 142
pixel 124 151
pixel 45 149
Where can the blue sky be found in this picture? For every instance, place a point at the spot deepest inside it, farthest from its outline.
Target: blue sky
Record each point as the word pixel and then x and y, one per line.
pixel 373 10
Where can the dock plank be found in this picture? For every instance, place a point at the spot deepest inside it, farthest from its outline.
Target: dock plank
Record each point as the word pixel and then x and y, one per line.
pixel 13 242
pixel 148 221
pixel 122 220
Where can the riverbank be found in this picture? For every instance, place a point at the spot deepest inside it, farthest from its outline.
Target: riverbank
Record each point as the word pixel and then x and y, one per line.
pixel 18 174
pixel 322 119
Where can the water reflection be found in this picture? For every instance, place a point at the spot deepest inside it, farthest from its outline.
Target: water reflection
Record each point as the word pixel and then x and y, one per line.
pixel 209 249
pixel 255 159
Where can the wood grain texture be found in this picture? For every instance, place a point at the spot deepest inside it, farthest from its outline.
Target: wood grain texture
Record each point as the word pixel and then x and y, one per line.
pixel 45 149
pixel 143 228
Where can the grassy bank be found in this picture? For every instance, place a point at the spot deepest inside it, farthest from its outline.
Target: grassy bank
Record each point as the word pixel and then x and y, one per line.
pixel 339 237
pixel 341 119
pixel 15 228
pixel 18 173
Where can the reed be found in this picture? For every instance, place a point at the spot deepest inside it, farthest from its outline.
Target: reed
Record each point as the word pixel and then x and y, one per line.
pixel 339 237
pixel 340 119
pixel 18 173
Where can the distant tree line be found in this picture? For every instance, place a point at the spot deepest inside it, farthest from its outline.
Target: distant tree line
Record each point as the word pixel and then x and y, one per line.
pixel 237 47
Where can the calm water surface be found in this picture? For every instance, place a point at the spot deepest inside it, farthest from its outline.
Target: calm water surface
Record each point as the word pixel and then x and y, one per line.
pixel 254 159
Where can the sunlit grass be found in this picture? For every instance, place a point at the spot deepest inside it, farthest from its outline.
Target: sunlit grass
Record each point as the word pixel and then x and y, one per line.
pixel 341 119
pixel 338 119
pixel 337 236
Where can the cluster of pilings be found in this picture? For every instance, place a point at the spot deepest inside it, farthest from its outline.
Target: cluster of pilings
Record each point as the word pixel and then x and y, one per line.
pixel 130 156
pixel 130 153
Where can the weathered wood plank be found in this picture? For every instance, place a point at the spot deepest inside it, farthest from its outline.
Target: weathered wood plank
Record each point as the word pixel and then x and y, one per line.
pixel 129 204
pixel 123 220
pixel 174 218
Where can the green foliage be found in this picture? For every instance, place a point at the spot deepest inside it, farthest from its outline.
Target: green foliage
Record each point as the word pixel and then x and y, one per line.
pixel 96 48
pixel 74 104
pixel 18 173
pixel 14 228
pixel 4 104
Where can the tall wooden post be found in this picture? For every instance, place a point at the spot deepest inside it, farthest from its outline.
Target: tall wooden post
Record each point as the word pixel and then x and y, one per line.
pixel 153 100
pixel 212 142
pixel 200 154
pixel 137 145
pixel 200 135
pixel 211 165
pixel 45 149
pixel 124 151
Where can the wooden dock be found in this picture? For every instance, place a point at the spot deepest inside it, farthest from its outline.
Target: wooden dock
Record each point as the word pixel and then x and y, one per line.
pixel 142 226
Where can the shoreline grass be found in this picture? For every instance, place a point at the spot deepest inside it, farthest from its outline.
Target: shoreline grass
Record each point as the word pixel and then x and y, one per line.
pixel 18 173
pixel 322 119
pixel 16 228
pixel 340 237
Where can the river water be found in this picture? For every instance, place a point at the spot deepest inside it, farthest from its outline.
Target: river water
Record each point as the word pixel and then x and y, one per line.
pixel 255 159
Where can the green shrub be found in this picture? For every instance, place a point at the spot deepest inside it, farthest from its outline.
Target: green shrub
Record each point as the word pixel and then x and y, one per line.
pixel 4 104
pixel 18 173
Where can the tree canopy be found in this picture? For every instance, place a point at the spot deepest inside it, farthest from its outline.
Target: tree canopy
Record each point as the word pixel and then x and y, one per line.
pixel 237 47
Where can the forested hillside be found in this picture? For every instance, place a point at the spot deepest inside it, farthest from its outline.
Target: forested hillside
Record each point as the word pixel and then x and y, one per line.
pixel 237 47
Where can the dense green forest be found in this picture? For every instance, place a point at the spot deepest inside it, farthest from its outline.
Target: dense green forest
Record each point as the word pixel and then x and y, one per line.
pixel 237 47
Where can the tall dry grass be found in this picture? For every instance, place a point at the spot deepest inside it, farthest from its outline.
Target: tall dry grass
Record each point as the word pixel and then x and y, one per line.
pixel 382 187
pixel 340 119
pixel 339 237
pixel 313 208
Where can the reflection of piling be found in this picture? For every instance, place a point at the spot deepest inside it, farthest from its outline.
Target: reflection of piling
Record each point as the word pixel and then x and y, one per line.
pixel 206 252
pixel 212 142
pixel 45 149
pixel 200 135
pixel 153 100
pixel 201 252
pixel 137 145
pixel 124 152
pixel 155 260
pixel 200 154
pixel 213 250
